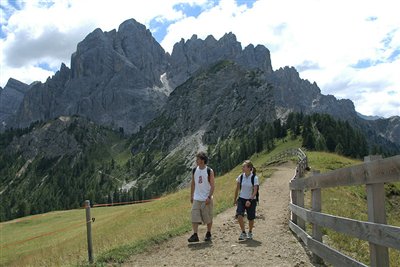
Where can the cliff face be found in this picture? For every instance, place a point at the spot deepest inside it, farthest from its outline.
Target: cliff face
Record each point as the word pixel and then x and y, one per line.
pixel 194 54
pixel 216 101
pixel 295 94
pixel 10 100
pixel 114 80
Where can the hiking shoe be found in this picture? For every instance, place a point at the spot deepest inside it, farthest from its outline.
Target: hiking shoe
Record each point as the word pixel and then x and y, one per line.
pixel 242 236
pixel 193 238
pixel 208 237
pixel 249 235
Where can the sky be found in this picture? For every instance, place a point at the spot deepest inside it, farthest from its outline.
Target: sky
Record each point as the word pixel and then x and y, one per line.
pixel 351 49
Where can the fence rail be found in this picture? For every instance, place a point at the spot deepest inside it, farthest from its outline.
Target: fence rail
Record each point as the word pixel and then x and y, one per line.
pixel 302 163
pixel 373 174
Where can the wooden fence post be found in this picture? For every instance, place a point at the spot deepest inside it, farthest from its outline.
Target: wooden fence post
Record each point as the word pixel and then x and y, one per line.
pixel 293 194
pixel 89 231
pixel 300 202
pixel 379 255
pixel 316 205
pixel 300 199
pixel 294 201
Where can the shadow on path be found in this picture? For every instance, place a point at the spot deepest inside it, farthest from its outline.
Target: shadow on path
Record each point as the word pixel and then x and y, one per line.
pixel 251 243
pixel 201 245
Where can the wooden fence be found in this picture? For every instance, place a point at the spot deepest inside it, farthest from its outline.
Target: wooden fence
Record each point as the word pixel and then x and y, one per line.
pixel 302 163
pixel 373 174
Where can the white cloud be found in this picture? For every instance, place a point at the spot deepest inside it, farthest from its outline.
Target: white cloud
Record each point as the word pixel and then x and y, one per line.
pixel 324 40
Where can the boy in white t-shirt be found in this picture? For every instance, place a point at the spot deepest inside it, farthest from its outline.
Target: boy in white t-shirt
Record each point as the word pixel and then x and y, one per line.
pixel 202 189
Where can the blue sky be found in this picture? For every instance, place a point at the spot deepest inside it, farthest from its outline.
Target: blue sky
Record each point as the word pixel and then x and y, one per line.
pixel 351 49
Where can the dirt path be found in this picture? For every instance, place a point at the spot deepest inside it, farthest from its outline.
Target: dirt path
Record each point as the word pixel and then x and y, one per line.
pixel 273 243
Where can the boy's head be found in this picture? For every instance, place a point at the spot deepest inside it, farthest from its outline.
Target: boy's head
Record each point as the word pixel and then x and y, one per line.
pixel 202 156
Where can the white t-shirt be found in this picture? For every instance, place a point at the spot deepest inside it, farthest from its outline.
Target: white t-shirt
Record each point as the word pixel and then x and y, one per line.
pixel 247 187
pixel 202 185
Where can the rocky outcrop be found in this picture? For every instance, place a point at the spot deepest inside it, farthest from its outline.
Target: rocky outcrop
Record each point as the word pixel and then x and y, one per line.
pixel 223 98
pixel 194 54
pixel 10 100
pixel 295 94
pixel 388 128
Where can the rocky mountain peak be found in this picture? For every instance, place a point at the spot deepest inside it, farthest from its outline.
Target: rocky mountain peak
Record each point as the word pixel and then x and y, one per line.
pixel 189 56
pixel 10 99
pixel 229 39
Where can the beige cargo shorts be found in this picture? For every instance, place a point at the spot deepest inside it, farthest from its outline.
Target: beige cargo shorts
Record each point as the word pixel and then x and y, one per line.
pixel 202 213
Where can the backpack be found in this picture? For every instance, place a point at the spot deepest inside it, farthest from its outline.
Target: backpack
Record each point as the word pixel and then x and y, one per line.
pixel 208 172
pixel 252 182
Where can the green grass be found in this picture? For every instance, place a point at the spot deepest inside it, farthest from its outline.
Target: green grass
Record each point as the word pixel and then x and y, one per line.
pixel 350 202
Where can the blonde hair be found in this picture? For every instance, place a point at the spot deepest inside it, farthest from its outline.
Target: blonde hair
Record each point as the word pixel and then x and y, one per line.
pixel 250 165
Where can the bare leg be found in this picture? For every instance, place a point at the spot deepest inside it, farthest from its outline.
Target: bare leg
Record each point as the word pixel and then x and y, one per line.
pixel 241 222
pixel 195 227
pixel 209 225
pixel 251 225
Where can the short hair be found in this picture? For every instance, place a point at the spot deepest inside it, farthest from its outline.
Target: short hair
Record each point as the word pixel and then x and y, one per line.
pixel 203 156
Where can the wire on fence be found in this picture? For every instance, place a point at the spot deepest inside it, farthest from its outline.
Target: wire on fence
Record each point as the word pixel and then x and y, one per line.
pixel 69 227
pixel 42 235
pixel 124 203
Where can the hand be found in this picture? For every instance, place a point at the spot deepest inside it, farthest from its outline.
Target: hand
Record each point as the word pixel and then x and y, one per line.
pixel 235 202
pixel 248 203
pixel 208 201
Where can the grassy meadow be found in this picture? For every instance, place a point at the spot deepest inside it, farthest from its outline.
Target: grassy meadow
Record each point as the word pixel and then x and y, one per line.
pixel 59 238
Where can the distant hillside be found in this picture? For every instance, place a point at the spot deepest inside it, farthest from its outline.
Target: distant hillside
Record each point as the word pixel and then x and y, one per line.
pixel 55 166
pixel 369 118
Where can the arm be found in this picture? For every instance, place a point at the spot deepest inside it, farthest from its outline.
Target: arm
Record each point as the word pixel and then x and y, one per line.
pixel 192 189
pixel 212 184
pixel 236 193
pixel 255 190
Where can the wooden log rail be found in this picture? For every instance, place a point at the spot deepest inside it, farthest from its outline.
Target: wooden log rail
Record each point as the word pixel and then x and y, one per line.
pixel 373 174
pixel 301 156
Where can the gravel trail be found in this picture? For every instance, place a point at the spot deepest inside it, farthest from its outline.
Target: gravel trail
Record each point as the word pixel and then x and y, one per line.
pixel 273 243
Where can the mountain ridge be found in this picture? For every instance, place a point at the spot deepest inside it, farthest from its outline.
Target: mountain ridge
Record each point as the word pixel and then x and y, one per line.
pixel 123 78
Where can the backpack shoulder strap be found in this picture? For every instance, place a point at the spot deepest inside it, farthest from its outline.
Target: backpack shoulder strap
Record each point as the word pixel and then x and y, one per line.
pixel 194 170
pixel 241 180
pixel 252 179
pixel 208 173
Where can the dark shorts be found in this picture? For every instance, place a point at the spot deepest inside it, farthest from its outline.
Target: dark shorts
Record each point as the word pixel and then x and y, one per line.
pixel 241 208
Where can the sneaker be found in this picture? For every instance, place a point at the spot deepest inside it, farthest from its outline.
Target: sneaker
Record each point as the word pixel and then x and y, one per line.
pixel 193 238
pixel 208 237
pixel 249 235
pixel 242 236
